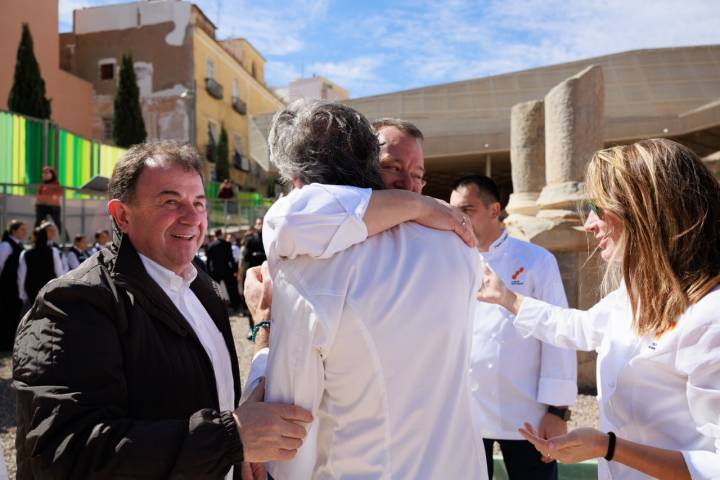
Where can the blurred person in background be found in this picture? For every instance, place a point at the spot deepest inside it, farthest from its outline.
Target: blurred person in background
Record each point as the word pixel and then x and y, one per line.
pixel 49 199
pixel 11 248
pixel 254 253
pixel 78 252
pixel 102 239
pixel 39 264
pixel 221 267
pixel 654 209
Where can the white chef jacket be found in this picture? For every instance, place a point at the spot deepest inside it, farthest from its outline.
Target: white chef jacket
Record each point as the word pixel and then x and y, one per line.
pixel 663 392
pixel 317 220
pixel 375 342
pixel 514 379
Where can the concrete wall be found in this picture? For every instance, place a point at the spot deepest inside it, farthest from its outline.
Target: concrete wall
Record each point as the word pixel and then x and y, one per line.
pixel 163 66
pixel 71 96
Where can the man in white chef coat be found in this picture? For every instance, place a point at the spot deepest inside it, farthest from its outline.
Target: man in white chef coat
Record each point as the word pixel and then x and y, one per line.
pixel 515 379
pixel 355 337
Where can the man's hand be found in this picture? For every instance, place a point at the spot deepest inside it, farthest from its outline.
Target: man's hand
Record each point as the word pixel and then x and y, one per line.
pixel 551 426
pixel 437 214
pixel 269 431
pixel 258 292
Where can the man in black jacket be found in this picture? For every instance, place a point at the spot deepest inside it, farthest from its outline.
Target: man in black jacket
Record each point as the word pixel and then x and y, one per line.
pixel 221 266
pixel 126 366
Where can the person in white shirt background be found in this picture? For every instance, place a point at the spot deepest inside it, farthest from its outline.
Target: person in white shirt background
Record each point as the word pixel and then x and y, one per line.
pixel 655 211
pixel 78 252
pixel 355 337
pixel 39 264
pixel 515 379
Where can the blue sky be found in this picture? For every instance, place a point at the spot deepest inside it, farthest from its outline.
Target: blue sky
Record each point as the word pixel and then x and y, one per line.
pixel 373 47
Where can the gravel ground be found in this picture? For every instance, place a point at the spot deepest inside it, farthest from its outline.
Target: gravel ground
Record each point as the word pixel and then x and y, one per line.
pixel 585 412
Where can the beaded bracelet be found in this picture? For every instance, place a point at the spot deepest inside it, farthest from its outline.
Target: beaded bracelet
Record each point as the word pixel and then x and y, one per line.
pixel 256 329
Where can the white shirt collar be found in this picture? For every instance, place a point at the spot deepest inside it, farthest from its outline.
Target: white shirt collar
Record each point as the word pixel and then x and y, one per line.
pixel 167 279
pixel 499 243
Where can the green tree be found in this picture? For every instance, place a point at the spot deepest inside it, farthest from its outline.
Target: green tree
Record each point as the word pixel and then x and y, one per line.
pixel 128 124
pixel 27 95
pixel 222 165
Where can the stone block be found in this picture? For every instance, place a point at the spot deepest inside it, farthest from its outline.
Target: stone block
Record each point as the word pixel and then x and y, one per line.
pixel 573 132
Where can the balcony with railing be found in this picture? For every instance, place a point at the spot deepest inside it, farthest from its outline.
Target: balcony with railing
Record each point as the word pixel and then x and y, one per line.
pixel 239 106
pixel 214 88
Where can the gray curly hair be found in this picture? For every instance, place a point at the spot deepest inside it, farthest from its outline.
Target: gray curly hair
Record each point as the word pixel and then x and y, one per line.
pixel 325 142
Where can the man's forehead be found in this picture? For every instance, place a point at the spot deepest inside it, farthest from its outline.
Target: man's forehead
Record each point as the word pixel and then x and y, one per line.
pixel 156 178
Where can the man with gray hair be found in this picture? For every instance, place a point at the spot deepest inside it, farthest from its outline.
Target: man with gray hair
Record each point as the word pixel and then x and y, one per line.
pixel 347 330
pixel 126 366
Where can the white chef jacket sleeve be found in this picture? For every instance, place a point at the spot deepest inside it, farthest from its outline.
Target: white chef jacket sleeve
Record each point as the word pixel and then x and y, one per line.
pixel 316 220
pixel 258 368
pixel 698 357
pixel 558 366
pixel 565 327
pixel 303 331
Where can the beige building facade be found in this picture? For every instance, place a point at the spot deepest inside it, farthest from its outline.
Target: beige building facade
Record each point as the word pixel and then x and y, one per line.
pixel 191 84
pixel 668 92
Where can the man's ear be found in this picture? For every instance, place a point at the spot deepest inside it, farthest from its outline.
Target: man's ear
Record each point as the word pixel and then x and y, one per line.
pixel 120 213
pixel 495 209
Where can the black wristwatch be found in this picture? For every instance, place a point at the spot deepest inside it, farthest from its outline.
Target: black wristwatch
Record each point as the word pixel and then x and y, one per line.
pixel 562 412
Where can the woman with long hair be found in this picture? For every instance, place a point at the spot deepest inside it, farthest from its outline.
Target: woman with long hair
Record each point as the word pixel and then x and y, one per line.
pixel 655 211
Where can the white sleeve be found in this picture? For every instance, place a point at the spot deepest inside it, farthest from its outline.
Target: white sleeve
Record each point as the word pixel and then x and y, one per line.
pixel 558 366
pixel 22 271
pixel 258 369
pixel 58 265
pixel 316 220
pixel 5 252
pixel 303 331
pixel 72 260
pixel 698 357
pixel 565 327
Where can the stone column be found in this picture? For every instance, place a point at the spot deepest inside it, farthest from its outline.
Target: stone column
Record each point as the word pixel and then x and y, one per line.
pixel 574 113
pixel 527 156
pixel 573 132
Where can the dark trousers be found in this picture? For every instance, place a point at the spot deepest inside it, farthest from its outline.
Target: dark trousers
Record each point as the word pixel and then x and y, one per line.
pixel 44 211
pixel 522 460
pixel 232 289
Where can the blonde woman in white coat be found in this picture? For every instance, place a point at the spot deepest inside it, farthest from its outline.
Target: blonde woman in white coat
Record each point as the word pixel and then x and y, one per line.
pixel 655 211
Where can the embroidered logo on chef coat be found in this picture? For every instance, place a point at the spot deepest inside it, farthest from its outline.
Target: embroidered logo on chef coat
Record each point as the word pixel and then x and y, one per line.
pixel 516 277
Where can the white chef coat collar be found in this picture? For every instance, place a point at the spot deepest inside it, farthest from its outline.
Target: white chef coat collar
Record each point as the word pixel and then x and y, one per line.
pixel 167 279
pixel 499 243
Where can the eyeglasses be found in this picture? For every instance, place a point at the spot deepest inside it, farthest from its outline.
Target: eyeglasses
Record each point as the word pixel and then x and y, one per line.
pixel 591 206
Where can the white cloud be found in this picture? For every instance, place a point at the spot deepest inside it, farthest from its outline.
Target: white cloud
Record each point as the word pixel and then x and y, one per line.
pixel 358 74
pixel 280 74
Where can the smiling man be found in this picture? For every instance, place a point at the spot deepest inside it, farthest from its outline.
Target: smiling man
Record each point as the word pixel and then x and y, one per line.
pixel 126 366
